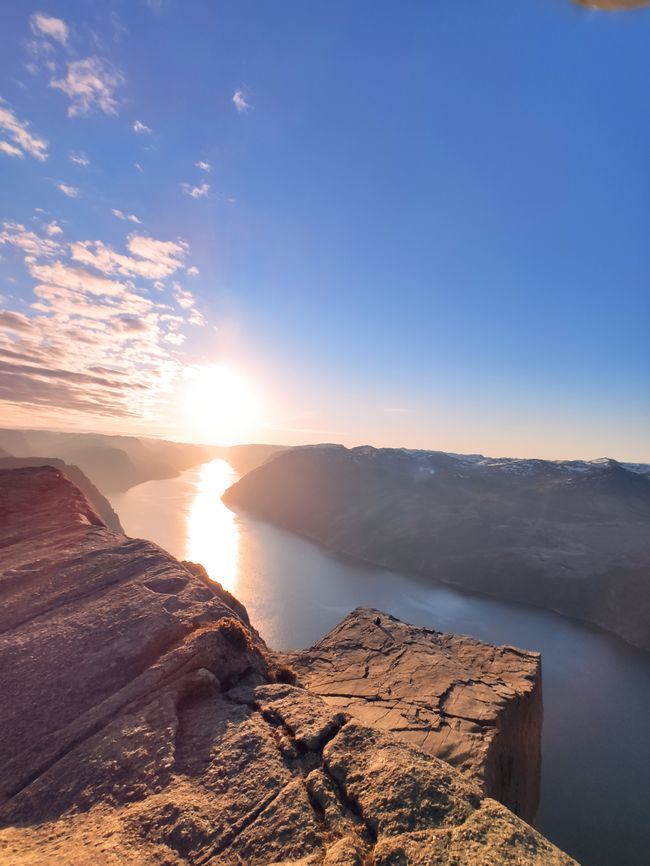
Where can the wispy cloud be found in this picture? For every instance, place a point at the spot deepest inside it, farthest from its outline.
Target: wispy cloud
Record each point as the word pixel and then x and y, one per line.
pixel 193 271
pixel 10 150
pixel 53 229
pixel 122 216
pixel 187 302
pixel 240 102
pixel 22 138
pixel 70 191
pixel 44 25
pixel 204 166
pixel 151 259
pixel 196 191
pixel 139 167
pixel 79 159
pixel 93 342
pixel 16 235
pixel 140 127
pixel 90 85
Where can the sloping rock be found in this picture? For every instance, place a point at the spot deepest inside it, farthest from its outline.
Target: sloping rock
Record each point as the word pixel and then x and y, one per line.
pixel 476 706
pixel 141 724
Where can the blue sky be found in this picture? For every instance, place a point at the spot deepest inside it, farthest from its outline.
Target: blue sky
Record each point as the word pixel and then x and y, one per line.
pixel 419 224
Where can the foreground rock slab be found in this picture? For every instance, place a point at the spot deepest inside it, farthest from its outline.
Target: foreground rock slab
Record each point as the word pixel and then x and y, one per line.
pixel 142 723
pixel 476 706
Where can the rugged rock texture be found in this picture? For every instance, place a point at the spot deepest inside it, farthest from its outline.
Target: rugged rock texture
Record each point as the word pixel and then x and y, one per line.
pixel 570 536
pixel 97 500
pixel 140 724
pixel 476 706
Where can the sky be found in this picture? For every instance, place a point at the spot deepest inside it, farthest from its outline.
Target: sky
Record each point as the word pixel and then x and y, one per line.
pixel 403 224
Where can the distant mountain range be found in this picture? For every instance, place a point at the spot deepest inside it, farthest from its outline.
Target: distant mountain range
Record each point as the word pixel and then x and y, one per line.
pixel 572 536
pixel 115 463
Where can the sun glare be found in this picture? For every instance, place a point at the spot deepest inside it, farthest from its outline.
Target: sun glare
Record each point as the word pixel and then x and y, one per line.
pixel 220 405
pixel 212 531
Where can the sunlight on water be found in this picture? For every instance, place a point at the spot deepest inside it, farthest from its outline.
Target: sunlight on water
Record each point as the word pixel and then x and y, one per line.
pixel 212 531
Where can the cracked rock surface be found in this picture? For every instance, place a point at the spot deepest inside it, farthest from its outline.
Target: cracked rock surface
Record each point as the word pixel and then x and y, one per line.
pixel 141 724
pixel 476 706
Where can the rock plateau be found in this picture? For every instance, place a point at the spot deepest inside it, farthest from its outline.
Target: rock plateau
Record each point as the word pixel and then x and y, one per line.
pixel 476 706
pixel 143 722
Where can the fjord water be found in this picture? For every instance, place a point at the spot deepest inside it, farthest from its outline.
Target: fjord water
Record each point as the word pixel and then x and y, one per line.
pixel 595 798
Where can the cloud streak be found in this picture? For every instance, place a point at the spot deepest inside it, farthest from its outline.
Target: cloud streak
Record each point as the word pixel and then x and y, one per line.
pixel 66 189
pixel 123 216
pixel 79 159
pixel 18 131
pixel 150 259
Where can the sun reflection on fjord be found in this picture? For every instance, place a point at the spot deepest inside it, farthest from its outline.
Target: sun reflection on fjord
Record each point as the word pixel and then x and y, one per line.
pixel 212 532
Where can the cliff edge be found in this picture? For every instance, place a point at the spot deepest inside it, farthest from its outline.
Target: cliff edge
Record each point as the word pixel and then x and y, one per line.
pixel 476 706
pixel 143 723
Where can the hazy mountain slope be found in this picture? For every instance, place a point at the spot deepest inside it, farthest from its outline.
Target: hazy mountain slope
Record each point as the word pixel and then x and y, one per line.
pixel 96 499
pixel 244 458
pixel 570 536
pixel 113 463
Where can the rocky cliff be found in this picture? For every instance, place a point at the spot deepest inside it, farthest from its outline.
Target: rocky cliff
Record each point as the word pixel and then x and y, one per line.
pixel 571 536
pixel 143 722
pixel 97 500
pixel 476 706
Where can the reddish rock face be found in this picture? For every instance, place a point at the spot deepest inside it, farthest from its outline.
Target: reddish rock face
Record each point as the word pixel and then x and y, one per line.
pixel 141 724
pixel 476 706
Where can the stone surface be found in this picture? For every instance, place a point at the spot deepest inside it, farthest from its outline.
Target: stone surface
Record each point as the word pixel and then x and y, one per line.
pixel 476 706
pixel 141 724
pixel 571 536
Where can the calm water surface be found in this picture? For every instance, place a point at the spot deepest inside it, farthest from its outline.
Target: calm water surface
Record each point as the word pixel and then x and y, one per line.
pixel 595 801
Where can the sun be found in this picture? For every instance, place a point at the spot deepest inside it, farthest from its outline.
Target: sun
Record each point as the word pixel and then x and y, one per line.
pixel 220 405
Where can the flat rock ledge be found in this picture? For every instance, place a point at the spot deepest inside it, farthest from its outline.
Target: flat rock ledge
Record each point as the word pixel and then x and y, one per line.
pixel 476 706
pixel 143 723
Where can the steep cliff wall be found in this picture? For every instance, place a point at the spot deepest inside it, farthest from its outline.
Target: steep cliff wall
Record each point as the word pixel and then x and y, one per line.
pixel 141 724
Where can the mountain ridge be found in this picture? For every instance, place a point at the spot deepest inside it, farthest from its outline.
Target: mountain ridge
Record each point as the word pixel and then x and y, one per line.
pixel 570 536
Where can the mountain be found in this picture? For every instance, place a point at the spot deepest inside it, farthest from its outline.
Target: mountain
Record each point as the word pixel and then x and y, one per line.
pixel 571 536
pixel 145 721
pixel 112 463
pixel 97 501
pixel 244 458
